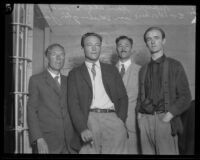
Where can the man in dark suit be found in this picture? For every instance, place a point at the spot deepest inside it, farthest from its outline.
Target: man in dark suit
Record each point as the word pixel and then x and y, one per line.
pixel 50 127
pixel 163 95
pixel 98 102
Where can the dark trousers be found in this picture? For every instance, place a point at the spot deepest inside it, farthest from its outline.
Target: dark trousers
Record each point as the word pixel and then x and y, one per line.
pixel 35 149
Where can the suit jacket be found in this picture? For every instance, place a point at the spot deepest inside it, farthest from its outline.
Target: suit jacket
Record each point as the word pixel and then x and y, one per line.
pixel 130 80
pixel 186 140
pixel 80 94
pixel 179 92
pixel 47 112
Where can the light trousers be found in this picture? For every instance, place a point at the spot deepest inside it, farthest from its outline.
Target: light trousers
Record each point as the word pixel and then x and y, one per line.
pixel 109 133
pixel 156 135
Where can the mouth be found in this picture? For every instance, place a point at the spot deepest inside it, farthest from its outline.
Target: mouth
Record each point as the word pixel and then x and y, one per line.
pixel 94 53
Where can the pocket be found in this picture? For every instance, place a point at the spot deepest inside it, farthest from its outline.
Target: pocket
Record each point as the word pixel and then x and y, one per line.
pixel 160 118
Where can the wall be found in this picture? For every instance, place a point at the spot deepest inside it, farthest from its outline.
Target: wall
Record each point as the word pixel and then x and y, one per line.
pixel 38 41
pixel 177 22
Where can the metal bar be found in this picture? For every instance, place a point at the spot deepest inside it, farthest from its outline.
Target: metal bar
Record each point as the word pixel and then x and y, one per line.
pixel 19 129
pixel 16 79
pixel 22 25
pixel 21 110
pixel 25 88
pixel 21 58
pixel 24 93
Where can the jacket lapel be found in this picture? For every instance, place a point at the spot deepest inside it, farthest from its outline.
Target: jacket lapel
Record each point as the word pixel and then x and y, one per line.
pixel 50 82
pixel 85 74
pixel 63 87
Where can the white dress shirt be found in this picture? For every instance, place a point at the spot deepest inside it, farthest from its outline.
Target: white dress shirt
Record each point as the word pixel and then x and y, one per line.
pixel 126 64
pixel 100 98
pixel 54 75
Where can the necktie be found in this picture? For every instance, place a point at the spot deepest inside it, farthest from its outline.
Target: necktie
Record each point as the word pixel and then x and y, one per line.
pixel 93 70
pixel 57 82
pixel 122 72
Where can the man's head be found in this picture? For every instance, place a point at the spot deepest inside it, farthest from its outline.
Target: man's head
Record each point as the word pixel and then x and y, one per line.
pixel 154 38
pixel 91 43
pixel 124 46
pixel 55 54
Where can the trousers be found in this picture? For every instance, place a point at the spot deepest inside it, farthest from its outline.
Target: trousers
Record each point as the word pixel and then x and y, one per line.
pixel 156 135
pixel 109 133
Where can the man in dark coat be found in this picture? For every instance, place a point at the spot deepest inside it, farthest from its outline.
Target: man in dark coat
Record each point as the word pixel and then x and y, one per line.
pixel 98 102
pixel 163 95
pixel 49 123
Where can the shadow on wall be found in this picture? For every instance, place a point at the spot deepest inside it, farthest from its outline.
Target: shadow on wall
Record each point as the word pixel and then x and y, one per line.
pixel 141 57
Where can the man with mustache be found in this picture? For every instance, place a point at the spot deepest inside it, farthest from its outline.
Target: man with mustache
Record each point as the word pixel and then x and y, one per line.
pixel 129 72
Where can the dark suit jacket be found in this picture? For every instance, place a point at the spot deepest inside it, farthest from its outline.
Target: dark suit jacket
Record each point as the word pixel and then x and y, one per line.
pixel 80 93
pixel 179 92
pixel 47 112
pixel 186 140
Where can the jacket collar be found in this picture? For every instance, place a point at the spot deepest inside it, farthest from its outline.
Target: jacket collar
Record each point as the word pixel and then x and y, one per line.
pixel 52 84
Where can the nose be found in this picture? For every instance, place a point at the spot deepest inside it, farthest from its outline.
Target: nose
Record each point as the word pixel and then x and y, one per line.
pixel 152 41
pixel 59 57
pixel 123 48
pixel 93 48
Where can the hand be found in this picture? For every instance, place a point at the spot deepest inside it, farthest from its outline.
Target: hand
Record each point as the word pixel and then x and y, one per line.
pixel 42 146
pixel 86 136
pixel 167 117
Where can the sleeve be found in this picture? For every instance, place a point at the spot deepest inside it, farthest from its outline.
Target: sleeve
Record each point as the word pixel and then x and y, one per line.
pixel 122 97
pixel 32 109
pixel 139 93
pixel 182 92
pixel 78 118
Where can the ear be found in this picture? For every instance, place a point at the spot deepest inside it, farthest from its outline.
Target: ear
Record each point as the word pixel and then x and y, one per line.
pixel 163 41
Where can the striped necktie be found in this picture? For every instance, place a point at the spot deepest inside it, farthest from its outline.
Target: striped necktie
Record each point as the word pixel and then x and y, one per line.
pixel 122 72
pixel 56 80
pixel 93 70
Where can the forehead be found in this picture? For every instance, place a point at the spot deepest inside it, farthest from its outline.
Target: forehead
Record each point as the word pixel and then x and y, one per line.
pixel 92 39
pixel 124 40
pixel 154 32
pixel 56 49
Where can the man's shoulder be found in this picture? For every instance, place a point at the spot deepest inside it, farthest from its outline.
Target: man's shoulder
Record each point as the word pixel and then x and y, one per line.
pixel 144 66
pixel 38 75
pixel 173 61
pixel 135 66
pixel 76 69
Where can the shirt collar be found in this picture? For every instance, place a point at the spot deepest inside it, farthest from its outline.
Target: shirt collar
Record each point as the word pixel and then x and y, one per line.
pixel 89 64
pixel 53 74
pixel 159 60
pixel 126 63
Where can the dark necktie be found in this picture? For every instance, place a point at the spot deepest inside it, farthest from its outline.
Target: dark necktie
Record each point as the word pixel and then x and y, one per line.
pixel 57 82
pixel 122 72
pixel 93 70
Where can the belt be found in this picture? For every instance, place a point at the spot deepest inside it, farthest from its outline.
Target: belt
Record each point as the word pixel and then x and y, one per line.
pixel 155 112
pixel 101 110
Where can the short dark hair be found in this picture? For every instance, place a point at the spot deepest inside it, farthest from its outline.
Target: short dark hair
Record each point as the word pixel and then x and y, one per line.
pixel 90 34
pixel 50 47
pixel 124 37
pixel 154 28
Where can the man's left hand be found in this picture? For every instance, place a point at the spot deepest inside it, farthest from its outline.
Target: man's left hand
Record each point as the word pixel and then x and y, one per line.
pixel 167 117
